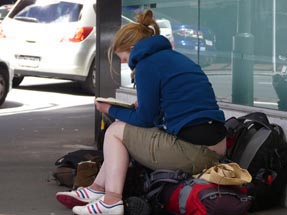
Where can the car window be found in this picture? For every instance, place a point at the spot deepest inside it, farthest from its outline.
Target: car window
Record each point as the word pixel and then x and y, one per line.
pixel 47 11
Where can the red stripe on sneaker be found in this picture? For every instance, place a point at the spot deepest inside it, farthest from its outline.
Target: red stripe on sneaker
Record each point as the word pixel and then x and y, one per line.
pixel 77 192
pixel 89 209
pixel 98 208
pixel 87 195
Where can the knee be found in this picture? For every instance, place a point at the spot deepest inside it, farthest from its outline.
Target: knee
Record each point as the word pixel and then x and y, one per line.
pixel 115 129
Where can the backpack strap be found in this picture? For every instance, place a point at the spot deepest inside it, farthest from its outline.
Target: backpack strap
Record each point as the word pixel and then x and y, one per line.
pixel 257 117
pixel 165 175
pixel 154 192
pixel 186 190
pixel 162 176
pixel 233 125
pixel 253 146
pixel 215 192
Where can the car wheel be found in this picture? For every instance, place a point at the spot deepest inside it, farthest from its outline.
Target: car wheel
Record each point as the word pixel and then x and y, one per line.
pixel 89 85
pixel 4 85
pixel 17 80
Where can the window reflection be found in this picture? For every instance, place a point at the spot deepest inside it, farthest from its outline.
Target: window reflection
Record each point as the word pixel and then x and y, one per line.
pixel 48 12
pixel 208 32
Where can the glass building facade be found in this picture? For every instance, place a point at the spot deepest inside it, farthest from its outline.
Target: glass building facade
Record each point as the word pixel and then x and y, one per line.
pixel 240 44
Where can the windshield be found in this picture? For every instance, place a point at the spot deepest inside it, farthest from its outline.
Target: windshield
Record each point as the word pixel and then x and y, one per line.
pixel 41 11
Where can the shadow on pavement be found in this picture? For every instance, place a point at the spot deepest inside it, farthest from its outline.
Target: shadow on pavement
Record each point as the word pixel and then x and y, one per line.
pixel 10 104
pixel 72 88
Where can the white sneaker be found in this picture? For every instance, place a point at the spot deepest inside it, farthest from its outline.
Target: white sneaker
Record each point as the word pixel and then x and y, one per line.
pixel 99 207
pixel 79 197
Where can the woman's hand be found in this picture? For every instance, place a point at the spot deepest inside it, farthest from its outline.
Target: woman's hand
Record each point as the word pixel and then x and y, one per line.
pixel 102 107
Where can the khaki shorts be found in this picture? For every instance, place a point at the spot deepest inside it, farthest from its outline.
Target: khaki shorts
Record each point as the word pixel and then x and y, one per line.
pixel 157 149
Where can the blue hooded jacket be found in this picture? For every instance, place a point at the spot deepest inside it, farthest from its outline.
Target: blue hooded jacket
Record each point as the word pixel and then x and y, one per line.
pixel 172 90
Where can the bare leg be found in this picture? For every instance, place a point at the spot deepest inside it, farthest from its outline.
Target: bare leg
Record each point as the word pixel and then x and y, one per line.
pixel 116 160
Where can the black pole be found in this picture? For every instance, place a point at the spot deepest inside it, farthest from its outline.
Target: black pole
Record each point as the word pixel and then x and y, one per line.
pixel 243 57
pixel 108 15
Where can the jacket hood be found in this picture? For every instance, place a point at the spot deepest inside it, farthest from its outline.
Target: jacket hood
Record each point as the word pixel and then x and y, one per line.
pixel 147 47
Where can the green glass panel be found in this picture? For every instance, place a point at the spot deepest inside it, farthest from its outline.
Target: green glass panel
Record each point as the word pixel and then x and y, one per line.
pixel 240 44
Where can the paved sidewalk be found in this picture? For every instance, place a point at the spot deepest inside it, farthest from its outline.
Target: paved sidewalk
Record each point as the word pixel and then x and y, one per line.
pixel 30 144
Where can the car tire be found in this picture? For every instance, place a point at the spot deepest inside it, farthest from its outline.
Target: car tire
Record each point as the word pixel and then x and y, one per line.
pixel 89 85
pixel 4 84
pixel 17 80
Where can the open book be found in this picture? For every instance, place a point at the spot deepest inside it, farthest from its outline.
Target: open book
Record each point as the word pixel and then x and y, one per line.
pixel 114 101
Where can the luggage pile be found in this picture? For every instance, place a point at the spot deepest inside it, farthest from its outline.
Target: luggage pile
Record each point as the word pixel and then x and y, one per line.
pixel 250 178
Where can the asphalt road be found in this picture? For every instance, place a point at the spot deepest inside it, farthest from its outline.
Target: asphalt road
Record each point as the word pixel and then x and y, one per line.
pixel 41 94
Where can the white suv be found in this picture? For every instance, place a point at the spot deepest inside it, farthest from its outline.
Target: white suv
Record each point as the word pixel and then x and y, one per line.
pixel 51 38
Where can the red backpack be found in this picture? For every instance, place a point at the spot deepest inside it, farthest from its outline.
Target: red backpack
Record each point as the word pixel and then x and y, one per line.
pixel 199 197
pixel 184 195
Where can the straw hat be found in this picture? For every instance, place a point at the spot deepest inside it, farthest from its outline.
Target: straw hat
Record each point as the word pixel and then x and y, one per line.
pixel 226 174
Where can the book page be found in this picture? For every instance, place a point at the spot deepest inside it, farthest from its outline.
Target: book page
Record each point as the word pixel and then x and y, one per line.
pixel 114 101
